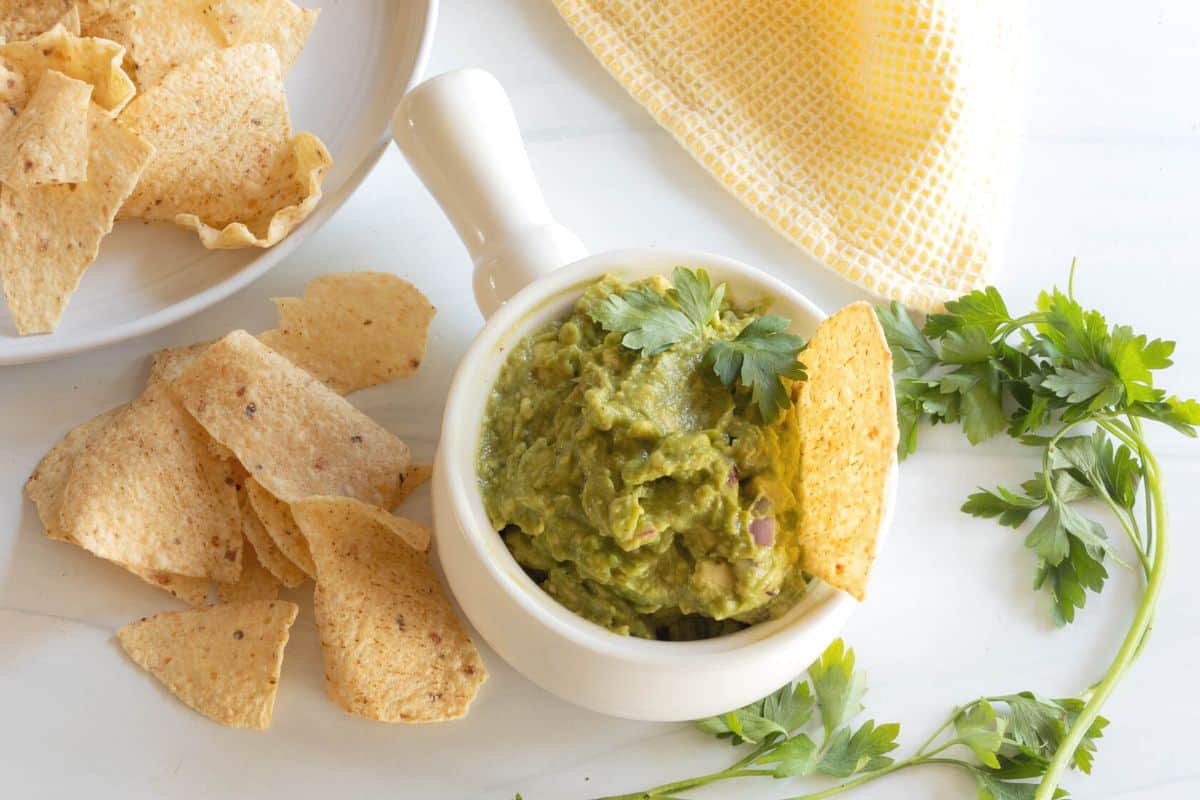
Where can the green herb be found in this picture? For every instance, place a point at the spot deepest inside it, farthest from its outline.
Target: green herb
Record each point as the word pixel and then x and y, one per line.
pixel 760 357
pixel 1001 742
pixel 1062 380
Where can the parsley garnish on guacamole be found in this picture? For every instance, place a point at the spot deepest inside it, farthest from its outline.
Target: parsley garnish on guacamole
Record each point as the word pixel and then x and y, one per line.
pixel 638 482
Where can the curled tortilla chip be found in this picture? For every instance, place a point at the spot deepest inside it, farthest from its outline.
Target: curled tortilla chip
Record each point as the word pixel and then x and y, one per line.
pixel 226 162
pixel 354 329
pixel 276 518
pixel 223 660
pixel 292 434
pixel 94 61
pixel 293 191
pixel 45 489
pixel 394 649
pixel 50 234
pixel 848 436
pixel 270 556
pixel 255 583
pixel 147 492
pixel 48 141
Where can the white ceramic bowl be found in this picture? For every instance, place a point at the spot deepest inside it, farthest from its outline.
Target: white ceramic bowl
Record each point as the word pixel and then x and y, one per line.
pixel 459 133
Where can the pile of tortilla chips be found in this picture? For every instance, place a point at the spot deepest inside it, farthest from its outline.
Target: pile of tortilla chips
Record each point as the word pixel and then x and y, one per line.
pixel 239 471
pixel 167 110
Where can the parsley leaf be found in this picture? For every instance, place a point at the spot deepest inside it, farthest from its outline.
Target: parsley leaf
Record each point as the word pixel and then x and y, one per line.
pixel 838 687
pixel 759 358
pixel 648 320
pixel 863 751
pixel 692 292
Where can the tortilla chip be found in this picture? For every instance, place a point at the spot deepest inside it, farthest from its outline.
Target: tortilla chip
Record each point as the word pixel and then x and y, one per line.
pixel 48 141
pixel 50 234
pixel 226 162
pixel 280 23
pixel 223 661
pixel 24 19
pixel 291 433
pixel 166 34
pixel 94 61
pixel 71 22
pixel 270 556
pixel 147 492
pixel 292 191
pixel 13 95
pixel 394 650
pixel 170 362
pixel 848 434
pixel 354 329
pixel 276 518
pixel 45 488
pixel 415 476
pixel 48 481
pixel 256 583
pixel 414 534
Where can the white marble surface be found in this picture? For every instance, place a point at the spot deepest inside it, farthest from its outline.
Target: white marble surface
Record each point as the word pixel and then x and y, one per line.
pixel 1110 167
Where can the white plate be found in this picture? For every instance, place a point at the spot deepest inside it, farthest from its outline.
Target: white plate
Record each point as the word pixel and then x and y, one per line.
pixel 362 56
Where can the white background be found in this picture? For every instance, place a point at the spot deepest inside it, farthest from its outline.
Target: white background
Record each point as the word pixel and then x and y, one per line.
pixel 1109 172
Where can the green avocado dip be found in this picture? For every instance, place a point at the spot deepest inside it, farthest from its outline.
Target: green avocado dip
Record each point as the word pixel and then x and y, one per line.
pixel 638 490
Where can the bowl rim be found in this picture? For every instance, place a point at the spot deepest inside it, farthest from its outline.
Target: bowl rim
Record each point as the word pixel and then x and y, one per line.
pixel 822 607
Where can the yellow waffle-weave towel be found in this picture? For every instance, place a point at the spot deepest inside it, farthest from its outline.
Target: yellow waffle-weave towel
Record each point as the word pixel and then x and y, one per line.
pixel 874 134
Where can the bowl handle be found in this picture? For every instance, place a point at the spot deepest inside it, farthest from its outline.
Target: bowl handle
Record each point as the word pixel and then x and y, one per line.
pixel 460 135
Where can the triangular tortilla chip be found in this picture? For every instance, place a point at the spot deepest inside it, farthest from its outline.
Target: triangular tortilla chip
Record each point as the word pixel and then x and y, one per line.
pixel 94 61
pixel 226 163
pixel 24 19
pixel 394 650
pixel 280 23
pixel 50 234
pixel 354 329
pixel 45 488
pixel 165 34
pixel 276 518
pixel 415 476
pixel 256 582
pixel 223 661
pixel 848 435
pixel 170 362
pixel 292 434
pixel 48 481
pixel 270 556
pixel 48 141
pixel 148 492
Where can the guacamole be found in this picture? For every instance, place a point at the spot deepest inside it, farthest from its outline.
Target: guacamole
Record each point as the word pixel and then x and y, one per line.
pixel 639 491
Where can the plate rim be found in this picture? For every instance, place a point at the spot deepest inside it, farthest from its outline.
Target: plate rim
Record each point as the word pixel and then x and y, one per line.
pixel 46 347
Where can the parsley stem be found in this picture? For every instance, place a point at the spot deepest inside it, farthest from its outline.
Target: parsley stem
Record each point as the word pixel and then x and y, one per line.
pixel 860 780
pixel 949 721
pixel 1131 646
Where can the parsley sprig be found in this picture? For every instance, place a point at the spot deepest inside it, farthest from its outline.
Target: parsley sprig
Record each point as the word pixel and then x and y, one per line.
pixel 761 356
pixel 1062 380
pixel 808 729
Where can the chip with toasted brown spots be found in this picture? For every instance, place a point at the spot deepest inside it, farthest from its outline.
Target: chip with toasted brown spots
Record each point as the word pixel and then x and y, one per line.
pixel 394 649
